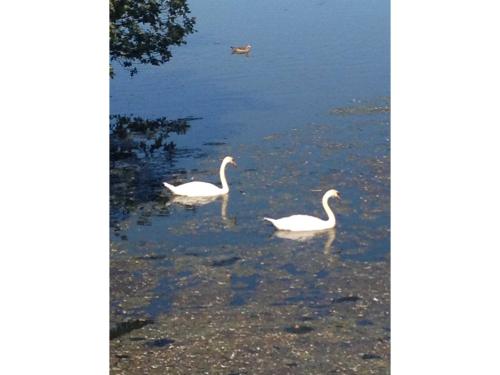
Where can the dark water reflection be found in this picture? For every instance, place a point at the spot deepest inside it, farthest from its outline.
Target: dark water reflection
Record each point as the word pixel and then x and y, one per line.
pixel 306 111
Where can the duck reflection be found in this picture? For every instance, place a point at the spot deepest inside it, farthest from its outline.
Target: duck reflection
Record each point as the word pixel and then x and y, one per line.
pixel 309 235
pixel 193 202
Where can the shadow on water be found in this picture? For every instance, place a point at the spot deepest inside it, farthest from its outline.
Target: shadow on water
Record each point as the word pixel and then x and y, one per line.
pixel 138 138
pixel 141 154
pixel 162 301
pixel 243 287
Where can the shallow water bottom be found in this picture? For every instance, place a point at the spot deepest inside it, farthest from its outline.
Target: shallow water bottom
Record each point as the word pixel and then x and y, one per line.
pixel 234 318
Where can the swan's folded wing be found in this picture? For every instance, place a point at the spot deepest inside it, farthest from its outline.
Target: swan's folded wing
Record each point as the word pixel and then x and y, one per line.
pixel 300 223
pixel 198 189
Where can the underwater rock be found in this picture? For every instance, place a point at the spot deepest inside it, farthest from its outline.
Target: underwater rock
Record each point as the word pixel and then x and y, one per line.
pixel 364 322
pixel 225 262
pixel 346 299
pixel 160 343
pixel 152 257
pixel 370 356
pixel 123 328
pixel 298 329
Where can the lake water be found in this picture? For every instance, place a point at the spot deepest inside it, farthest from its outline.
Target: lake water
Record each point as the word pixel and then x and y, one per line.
pixel 306 111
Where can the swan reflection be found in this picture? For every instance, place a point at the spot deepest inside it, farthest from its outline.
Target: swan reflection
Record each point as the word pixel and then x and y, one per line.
pixel 201 201
pixel 303 236
pixel 193 201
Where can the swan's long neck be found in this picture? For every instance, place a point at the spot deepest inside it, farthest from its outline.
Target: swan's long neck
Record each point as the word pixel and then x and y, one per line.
pixel 222 173
pixel 329 212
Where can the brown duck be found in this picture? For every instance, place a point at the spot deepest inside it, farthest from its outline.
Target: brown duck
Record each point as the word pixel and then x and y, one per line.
pixel 241 50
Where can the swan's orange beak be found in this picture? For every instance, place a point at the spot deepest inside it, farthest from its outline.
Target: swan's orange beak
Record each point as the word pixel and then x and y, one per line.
pixel 233 163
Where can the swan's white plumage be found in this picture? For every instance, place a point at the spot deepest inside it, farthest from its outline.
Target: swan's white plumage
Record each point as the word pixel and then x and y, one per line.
pixel 300 223
pixel 304 223
pixel 203 189
pixel 195 189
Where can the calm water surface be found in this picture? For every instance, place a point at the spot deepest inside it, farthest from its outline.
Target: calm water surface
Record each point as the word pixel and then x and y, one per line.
pixel 306 111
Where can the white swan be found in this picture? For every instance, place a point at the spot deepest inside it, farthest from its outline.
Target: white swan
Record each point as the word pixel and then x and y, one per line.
pixel 204 189
pixel 303 223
